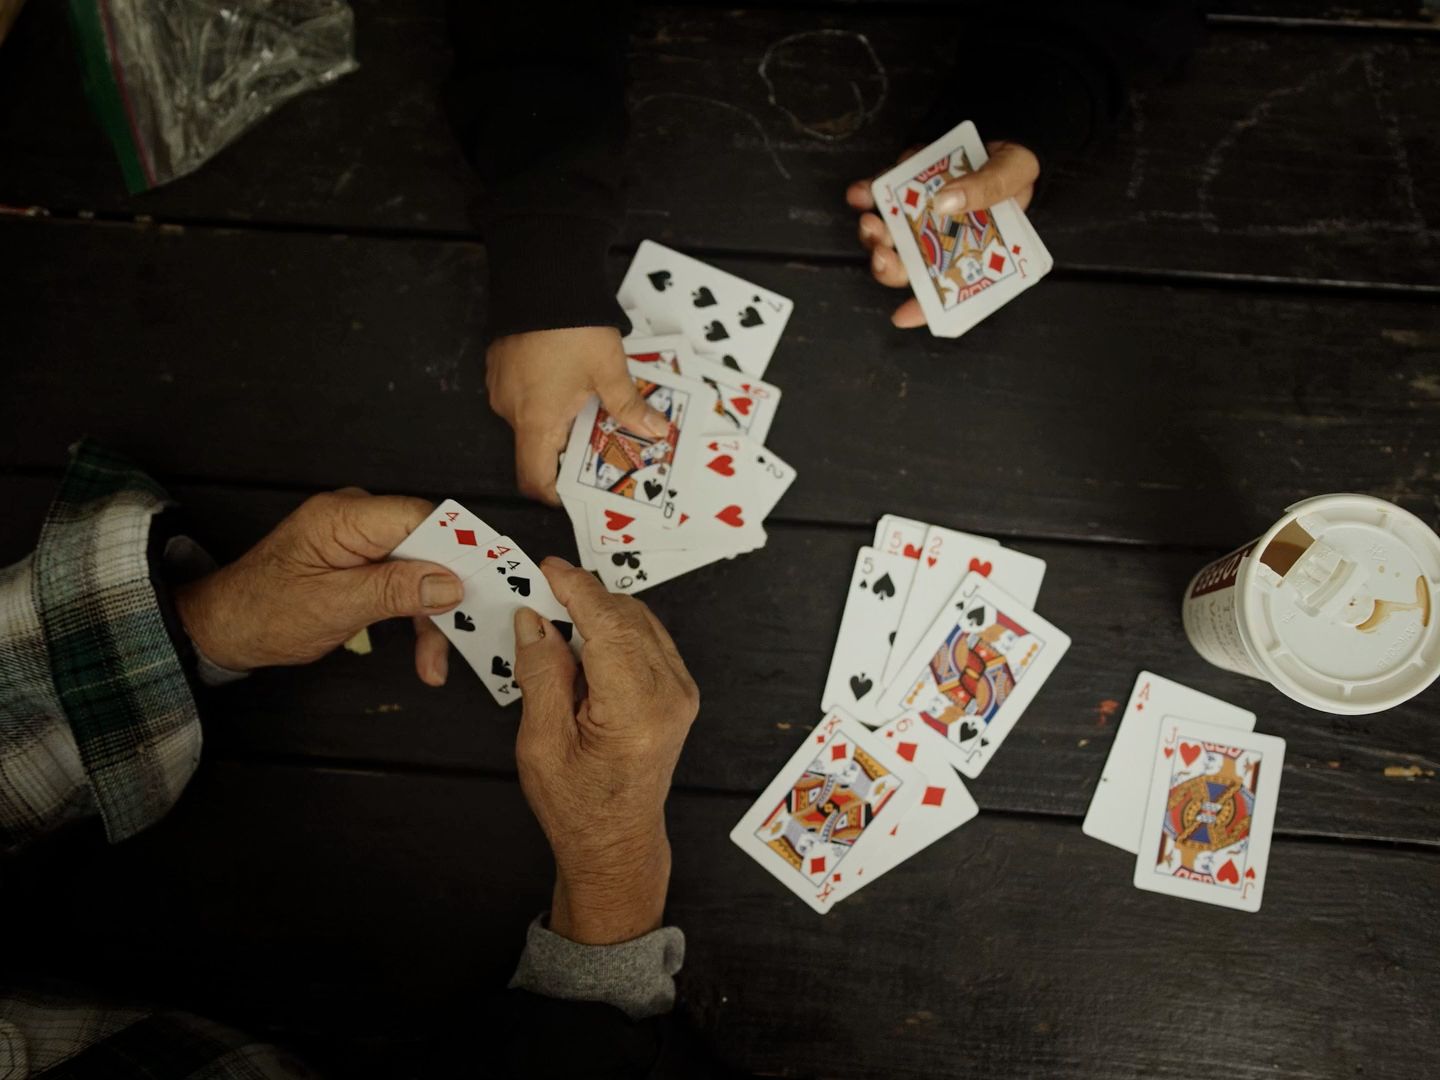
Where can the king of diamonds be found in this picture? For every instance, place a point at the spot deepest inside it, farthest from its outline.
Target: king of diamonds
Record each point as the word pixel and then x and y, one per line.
pixel 963 255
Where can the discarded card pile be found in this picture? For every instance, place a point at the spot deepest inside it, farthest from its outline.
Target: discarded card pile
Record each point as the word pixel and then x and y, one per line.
pixel 1191 791
pixel 649 507
pixel 940 652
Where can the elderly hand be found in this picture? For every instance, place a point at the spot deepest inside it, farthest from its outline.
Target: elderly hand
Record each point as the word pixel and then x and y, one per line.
pixel 1010 173
pixel 540 380
pixel 316 580
pixel 596 756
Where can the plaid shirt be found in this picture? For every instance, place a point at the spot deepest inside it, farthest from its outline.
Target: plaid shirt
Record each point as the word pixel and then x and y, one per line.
pixel 97 718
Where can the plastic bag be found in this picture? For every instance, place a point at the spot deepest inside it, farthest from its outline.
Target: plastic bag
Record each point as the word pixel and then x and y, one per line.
pixel 175 81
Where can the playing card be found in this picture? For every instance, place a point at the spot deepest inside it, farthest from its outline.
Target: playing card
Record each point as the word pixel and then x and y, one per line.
pixel 872 610
pixel 452 537
pixel 944 803
pixel 900 536
pixel 962 268
pixel 630 475
pixel 639 324
pixel 818 822
pixel 947 557
pixel 1118 807
pixel 743 404
pixel 975 670
pixel 733 320
pixel 1210 814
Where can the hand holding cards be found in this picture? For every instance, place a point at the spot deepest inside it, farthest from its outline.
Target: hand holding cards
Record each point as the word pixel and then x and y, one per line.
pixel 647 508
pixel 966 267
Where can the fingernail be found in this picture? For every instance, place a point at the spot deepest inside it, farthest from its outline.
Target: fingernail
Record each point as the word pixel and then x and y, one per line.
pixel 656 424
pixel 950 202
pixel 440 591
pixel 528 627
pixel 439 669
pixel 877 261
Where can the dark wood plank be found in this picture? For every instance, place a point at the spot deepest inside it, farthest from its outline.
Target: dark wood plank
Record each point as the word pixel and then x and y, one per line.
pixel 758 633
pixel 1293 153
pixel 1088 409
pixel 349 905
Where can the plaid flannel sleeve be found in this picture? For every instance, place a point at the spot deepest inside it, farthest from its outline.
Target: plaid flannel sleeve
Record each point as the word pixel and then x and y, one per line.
pixel 96 712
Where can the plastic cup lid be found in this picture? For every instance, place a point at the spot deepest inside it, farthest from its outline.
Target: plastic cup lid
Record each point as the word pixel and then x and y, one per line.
pixel 1338 603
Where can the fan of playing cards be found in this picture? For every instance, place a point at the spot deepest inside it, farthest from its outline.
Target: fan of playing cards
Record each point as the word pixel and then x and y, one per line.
pixel 646 507
pixel 940 652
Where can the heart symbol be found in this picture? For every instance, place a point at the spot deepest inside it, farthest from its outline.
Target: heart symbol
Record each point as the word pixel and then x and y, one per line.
pixel 1189 752
pixel 626 538
pixel 911 551
pixel 860 686
pixel 1250 874
pixel 615 521
pixel 463 621
pixel 930 560
pixel 714 446
pixel 1228 873
pixel 653 488
pixel 983 568
pixel 519 584
pixel 884 587
pixel 750 317
pixel 724 465
pixel 742 405
pixel 499 667
pixel 1169 751
pixel 968 731
pixel 716 332
pixel 731 516
pixel 703 297
pixel 660 279
pixel 730 362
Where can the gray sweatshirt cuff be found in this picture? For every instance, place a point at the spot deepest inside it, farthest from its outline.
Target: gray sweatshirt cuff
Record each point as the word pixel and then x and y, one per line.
pixel 637 977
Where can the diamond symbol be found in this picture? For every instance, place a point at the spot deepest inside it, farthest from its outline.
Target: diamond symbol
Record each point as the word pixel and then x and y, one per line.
pixel 817 865
pixel 906 750
pixel 997 262
pixel 912 197
pixel 465 536
pixel 1016 249
pixel 934 796
pixel 836 753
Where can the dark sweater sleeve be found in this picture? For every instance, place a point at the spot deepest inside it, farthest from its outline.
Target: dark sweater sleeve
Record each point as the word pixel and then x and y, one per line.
pixel 537 99
pixel 1061 73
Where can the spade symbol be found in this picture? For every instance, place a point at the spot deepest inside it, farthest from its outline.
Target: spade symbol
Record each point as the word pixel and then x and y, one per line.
pixel 653 488
pixel 463 621
pixel 626 558
pixel 892 637
pixel 716 332
pixel 730 362
pixel 884 588
pixel 498 666
pixel 750 317
pixel 703 297
pixel 968 731
pixel 660 279
pixel 520 585
pixel 860 685
pixel 567 630
pixel 984 742
pixel 977 616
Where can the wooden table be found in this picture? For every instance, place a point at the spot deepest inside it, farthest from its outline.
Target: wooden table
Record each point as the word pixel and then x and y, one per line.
pixel 1243 313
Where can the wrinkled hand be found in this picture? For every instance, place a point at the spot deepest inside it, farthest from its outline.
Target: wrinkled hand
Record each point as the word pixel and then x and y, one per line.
pixel 315 581
pixel 539 381
pixel 1010 173
pixel 596 756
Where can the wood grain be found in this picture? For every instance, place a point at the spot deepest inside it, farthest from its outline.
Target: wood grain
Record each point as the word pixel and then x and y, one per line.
pixel 1292 153
pixel 351 905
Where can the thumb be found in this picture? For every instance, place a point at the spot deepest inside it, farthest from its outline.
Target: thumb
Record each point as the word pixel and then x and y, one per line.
pixel 545 669
pixel 389 590
pixel 622 400
pixel 1011 169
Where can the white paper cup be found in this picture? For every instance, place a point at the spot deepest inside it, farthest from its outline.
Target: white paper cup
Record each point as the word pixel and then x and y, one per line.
pixel 1335 605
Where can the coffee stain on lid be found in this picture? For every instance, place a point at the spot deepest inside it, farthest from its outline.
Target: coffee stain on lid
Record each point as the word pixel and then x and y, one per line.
pixel 1385 608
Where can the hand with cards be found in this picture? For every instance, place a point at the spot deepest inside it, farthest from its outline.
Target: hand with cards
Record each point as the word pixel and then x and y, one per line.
pixel 943 660
pixel 649 505
pixel 1191 790
pixel 949 220
pixel 317 579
